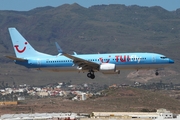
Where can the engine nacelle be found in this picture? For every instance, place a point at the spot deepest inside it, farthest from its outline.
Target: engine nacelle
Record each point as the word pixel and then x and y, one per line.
pixel 107 67
pixel 79 68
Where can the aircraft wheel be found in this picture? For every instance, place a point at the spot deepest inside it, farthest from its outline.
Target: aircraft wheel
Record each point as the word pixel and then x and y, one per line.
pixel 157 73
pixel 92 76
pixel 89 75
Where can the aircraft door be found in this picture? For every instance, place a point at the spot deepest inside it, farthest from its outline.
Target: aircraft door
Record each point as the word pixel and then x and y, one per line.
pixel 38 62
pixel 153 59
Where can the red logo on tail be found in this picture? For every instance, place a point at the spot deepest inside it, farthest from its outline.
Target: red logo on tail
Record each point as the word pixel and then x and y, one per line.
pixel 20 51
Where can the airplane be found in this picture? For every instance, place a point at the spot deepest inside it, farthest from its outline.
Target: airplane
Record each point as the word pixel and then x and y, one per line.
pixel 109 63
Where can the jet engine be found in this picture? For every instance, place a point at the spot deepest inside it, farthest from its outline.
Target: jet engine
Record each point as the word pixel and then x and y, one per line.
pixel 108 68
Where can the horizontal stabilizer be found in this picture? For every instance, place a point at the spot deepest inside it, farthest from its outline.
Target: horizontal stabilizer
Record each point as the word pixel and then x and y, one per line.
pixel 75 53
pixel 58 47
pixel 15 58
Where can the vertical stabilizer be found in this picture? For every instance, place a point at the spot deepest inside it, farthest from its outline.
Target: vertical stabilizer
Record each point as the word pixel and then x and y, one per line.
pixel 21 46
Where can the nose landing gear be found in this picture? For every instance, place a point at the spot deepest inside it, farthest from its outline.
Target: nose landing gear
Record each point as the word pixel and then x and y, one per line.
pixel 156 73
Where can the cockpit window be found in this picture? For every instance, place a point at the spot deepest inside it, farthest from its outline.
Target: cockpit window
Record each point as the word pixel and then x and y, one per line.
pixel 163 57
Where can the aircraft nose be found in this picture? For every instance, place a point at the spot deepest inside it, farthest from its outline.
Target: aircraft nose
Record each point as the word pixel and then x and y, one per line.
pixel 171 61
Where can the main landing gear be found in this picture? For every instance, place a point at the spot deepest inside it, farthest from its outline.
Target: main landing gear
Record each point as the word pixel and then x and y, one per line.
pixel 91 74
pixel 156 73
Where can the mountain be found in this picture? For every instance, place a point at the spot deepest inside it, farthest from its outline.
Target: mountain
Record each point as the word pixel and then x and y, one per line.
pixel 100 28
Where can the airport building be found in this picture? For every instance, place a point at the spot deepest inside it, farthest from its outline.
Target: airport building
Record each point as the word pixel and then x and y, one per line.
pixel 161 114
pixel 9 103
pixel 40 116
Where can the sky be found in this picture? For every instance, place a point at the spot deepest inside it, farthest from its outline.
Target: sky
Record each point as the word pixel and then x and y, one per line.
pixel 26 5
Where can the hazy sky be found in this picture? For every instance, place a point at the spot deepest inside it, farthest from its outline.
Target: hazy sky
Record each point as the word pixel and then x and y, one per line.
pixel 25 5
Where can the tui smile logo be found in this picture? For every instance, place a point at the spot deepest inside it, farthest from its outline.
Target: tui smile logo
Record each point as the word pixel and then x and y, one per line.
pixel 20 51
pixel 102 61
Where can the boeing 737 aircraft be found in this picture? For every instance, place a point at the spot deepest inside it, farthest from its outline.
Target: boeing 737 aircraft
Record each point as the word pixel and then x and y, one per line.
pixel 110 63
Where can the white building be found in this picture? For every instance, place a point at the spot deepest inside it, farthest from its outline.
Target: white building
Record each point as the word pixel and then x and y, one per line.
pixel 40 116
pixel 42 94
pixel 20 98
pixel 161 114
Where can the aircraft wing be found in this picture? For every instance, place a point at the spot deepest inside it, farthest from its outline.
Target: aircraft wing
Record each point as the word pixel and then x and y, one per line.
pixel 85 64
